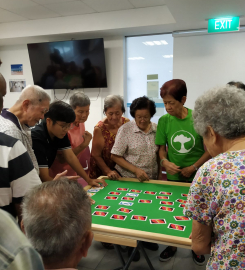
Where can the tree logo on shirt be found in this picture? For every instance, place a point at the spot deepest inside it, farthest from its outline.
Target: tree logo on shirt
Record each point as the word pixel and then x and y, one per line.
pixel 182 141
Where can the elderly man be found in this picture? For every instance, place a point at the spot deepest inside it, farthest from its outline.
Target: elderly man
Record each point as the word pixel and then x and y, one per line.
pixel 31 106
pixel 57 224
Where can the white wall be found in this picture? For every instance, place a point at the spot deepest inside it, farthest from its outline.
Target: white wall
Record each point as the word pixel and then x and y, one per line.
pixel 114 67
pixel 208 60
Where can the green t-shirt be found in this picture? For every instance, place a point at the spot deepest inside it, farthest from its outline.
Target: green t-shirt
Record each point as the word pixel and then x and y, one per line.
pixel 185 146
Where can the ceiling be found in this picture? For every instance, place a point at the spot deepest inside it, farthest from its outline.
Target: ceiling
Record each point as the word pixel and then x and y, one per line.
pixel 185 14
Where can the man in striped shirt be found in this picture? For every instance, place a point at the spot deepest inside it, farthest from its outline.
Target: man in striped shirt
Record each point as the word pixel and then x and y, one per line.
pixel 17 173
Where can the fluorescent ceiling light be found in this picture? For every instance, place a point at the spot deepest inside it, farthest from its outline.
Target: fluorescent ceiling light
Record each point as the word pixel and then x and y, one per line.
pixel 136 58
pixel 168 56
pixel 156 42
pixel 164 42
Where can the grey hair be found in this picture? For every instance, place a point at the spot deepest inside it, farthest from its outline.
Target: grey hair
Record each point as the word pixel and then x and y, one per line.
pixel 35 94
pixel 222 108
pixel 56 216
pixel 111 101
pixel 79 99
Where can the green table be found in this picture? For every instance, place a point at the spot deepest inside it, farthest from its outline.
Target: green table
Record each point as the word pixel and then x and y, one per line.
pixel 128 231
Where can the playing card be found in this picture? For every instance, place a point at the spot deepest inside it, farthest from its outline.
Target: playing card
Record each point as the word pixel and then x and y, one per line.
pixel 166 203
pixel 132 194
pixel 181 218
pixel 162 197
pixel 102 207
pixel 114 193
pixel 168 209
pixel 181 201
pixel 176 227
pixel 145 201
pixel 91 194
pixel 125 210
pixel 99 213
pixel 136 190
pixel 150 192
pixel 165 193
pixel 184 195
pixel 111 198
pixel 126 203
pixel 182 205
pixel 157 221
pixel 118 217
pixel 142 218
pixel 93 190
pixel 122 189
pixel 128 198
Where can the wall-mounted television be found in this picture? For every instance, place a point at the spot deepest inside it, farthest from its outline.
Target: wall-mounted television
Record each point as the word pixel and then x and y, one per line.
pixel 68 64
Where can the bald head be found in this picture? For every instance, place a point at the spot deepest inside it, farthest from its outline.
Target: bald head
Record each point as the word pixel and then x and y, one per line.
pixel 2 85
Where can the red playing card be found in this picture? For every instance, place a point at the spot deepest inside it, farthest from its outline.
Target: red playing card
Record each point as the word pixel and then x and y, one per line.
pixel 181 201
pixel 182 205
pixel 182 218
pixel 135 191
pixel 184 195
pixel 114 193
pixel 166 203
pixel 111 198
pixel 165 193
pixel 168 209
pixel 142 218
pixel 98 213
pixel 150 192
pixel 128 198
pixel 122 189
pixel 125 210
pixel 102 207
pixel 118 217
pixel 145 201
pixel 157 221
pixel 176 227
pixel 163 197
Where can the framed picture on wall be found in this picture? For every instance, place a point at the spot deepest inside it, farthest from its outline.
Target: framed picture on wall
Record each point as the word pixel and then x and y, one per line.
pixel 17 85
pixel 17 69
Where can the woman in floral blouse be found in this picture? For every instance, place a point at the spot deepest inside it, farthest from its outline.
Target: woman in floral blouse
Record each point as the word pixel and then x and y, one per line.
pixel 216 201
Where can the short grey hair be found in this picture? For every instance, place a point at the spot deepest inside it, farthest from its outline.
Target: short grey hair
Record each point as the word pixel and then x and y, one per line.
pixel 222 108
pixel 35 94
pixel 56 216
pixel 111 101
pixel 79 99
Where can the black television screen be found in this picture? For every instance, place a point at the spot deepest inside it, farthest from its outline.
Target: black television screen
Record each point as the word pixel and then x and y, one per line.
pixel 68 64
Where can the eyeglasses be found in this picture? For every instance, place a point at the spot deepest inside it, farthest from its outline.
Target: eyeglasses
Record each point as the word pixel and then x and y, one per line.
pixel 66 127
pixel 142 118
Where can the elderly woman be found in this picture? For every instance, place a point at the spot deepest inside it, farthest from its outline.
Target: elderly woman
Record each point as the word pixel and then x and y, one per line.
pixel 185 147
pixel 134 151
pixel 104 137
pixel 79 138
pixel 216 201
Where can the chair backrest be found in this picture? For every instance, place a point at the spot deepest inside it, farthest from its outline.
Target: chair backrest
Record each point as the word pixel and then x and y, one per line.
pixel 84 159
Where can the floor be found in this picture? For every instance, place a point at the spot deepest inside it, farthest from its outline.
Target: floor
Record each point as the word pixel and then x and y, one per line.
pixel 100 258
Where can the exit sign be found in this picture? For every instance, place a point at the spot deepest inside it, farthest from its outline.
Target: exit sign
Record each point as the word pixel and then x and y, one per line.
pixel 223 25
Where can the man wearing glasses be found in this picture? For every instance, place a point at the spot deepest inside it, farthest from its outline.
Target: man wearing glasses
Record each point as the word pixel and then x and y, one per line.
pixel 50 136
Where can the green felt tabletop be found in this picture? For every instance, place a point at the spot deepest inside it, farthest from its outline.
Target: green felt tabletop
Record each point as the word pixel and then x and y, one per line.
pixel 150 210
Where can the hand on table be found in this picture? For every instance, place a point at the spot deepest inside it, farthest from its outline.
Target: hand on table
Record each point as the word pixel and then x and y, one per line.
pixel 190 237
pixel 141 175
pixel 59 175
pixel 188 171
pixel 171 168
pixel 113 175
pixel 96 182
pixel 91 201
pixel 87 138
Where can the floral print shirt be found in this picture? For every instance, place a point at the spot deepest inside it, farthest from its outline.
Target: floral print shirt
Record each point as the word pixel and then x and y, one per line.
pixel 217 197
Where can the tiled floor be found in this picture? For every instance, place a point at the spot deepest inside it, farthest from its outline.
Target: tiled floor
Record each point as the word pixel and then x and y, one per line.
pixel 102 259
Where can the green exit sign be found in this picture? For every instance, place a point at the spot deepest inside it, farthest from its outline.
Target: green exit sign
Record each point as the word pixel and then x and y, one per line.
pixel 223 25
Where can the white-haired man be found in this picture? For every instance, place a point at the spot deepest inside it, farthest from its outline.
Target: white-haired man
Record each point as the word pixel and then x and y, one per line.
pixel 57 224
pixel 31 106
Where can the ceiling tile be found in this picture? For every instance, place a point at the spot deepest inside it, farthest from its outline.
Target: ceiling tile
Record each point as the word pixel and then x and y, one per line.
pixel 9 4
pixel 108 5
pixel 71 8
pixel 35 13
pixel 147 3
pixel 6 16
pixel 46 2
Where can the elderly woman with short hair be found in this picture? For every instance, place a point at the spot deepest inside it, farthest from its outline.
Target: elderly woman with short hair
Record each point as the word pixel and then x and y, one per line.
pixel 216 200
pixel 104 137
pixel 79 138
